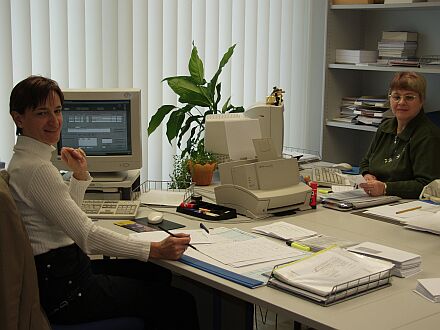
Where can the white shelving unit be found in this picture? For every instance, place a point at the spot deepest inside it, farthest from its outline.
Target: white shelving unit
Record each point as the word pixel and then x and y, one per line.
pixel 360 27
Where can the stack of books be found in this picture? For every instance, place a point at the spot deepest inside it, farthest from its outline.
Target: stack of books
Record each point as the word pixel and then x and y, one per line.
pixel 369 110
pixel 398 48
pixel 405 263
pixel 429 288
pixel 355 56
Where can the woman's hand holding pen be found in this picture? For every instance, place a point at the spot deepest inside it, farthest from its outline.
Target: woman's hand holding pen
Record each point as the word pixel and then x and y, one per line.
pixel 170 248
pixel 76 160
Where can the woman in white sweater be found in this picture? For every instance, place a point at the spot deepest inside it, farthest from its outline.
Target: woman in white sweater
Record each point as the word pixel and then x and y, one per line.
pixel 73 288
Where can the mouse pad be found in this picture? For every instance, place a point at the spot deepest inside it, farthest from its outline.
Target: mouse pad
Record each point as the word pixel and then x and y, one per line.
pixel 165 224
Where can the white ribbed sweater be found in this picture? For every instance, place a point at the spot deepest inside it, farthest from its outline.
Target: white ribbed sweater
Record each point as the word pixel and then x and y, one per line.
pixel 49 208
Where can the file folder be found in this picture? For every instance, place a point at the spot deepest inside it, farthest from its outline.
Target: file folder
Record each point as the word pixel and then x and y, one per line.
pixel 226 274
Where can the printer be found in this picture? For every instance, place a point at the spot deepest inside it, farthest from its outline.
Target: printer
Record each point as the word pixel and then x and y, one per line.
pixel 258 188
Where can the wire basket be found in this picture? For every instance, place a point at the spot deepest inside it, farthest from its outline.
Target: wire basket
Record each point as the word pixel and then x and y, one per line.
pixel 148 185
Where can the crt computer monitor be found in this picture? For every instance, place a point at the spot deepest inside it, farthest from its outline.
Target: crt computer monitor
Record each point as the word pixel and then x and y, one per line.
pixel 105 123
pixel 270 118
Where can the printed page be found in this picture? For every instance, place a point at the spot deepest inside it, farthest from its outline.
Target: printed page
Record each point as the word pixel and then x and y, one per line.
pixel 321 272
pixel 284 230
pixel 243 253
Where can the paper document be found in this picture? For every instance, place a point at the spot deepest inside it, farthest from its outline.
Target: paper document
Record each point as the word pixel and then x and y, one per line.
pixel 404 212
pixel 321 242
pixel 162 197
pixel 406 263
pixel 322 272
pixel 429 288
pixel 284 231
pixel 243 253
pixel 429 223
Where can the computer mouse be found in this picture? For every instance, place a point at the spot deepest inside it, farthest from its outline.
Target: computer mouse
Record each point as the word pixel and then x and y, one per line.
pixel 155 217
pixel 343 166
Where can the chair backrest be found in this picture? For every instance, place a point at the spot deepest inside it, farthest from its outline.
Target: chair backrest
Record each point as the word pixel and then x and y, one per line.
pixel 19 298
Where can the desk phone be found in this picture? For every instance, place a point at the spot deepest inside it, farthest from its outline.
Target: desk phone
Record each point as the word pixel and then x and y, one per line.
pixel 110 209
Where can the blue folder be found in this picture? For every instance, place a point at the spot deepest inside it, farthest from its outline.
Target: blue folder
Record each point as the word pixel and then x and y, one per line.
pixel 231 276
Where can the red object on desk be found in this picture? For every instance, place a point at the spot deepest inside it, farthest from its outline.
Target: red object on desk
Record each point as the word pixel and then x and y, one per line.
pixel 314 186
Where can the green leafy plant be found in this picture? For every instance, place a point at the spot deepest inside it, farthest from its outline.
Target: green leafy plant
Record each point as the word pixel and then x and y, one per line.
pixel 200 156
pixel 181 176
pixel 198 99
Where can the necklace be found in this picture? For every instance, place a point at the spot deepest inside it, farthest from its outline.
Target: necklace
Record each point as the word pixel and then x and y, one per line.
pixel 394 153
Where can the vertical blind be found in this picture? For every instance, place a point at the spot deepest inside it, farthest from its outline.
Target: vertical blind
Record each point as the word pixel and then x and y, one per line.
pixel 136 43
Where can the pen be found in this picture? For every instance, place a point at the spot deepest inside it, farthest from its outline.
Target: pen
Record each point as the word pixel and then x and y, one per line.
pixel 410 209
pixel 298 246
pixel 204 227
pixel 171 234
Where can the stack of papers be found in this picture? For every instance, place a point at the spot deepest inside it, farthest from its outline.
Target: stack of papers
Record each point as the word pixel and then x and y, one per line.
pixel 406 263
pixel 332 274
pixel 355 56
pixel 283 230
pixel 321 242
pixel 429 288
pixel 429 223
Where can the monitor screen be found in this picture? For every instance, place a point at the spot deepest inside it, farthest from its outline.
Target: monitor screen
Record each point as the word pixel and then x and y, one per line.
pixel 105 123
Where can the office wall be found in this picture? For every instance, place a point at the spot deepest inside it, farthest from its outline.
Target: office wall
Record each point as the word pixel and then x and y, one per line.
pixel 125 43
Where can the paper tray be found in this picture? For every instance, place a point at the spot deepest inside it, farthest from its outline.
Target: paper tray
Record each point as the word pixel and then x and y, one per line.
pixel 215 212
pixel 341 292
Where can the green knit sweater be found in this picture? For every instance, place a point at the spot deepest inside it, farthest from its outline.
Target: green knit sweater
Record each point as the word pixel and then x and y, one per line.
pixel 408 161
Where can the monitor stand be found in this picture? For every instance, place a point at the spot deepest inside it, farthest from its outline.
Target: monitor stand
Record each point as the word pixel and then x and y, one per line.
pixel 109 176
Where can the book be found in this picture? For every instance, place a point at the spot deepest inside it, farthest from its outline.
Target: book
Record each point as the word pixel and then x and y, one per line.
pixel 399 36
pixel 331 275
pixel 406 263
pixel 429 288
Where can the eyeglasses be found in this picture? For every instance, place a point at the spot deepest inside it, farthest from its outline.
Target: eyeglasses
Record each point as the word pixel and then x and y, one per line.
pixel 397 98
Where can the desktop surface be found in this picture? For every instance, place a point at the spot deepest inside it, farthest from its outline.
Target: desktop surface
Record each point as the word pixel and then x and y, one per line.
pixel 393 307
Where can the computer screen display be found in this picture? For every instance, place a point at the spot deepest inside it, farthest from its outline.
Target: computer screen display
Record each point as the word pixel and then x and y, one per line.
pixel 105 123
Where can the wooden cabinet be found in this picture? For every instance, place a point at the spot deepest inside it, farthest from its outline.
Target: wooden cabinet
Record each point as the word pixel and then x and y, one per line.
pixel 360 27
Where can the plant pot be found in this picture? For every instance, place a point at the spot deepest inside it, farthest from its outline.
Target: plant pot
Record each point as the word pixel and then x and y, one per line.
pixel 201 174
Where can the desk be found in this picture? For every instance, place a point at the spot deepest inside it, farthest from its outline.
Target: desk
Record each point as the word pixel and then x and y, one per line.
pixel 393 307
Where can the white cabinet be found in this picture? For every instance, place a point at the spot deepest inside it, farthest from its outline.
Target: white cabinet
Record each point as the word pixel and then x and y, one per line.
pixel 360 27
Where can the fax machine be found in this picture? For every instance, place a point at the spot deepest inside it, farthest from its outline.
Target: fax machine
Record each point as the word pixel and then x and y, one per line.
pixel 257 189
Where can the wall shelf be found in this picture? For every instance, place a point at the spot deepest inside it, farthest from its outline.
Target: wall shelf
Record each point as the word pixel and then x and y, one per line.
pixel 361 27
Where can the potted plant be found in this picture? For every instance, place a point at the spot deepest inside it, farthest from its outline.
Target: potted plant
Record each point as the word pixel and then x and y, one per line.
pixel 201 165
pixel 198 99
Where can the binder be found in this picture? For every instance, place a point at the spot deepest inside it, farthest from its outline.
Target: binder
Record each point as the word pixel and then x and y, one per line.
pixel 226 274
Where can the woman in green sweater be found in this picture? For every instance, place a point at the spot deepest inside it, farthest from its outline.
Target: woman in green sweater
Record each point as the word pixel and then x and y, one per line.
pixel 404 154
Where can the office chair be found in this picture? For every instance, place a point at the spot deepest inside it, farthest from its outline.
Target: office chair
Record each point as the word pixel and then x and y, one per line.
pixel 19 297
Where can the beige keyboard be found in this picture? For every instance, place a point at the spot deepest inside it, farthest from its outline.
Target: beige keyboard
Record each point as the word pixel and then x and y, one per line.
pixel 110 209
pixel 328 176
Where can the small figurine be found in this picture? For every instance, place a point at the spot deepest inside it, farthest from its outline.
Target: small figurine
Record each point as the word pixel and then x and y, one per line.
pixel 276 97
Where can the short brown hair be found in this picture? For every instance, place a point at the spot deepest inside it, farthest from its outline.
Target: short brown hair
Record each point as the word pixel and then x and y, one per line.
pixel 31 93
pixel 411 81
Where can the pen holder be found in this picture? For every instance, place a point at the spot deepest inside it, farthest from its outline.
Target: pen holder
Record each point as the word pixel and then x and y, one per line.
pixel 208 211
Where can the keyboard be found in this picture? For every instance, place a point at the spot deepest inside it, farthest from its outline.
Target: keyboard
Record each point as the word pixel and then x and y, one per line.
pixel 110 209
pixel 328 176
